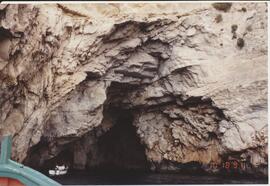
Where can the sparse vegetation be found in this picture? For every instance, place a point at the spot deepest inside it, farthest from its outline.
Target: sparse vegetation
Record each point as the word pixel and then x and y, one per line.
pixel 218 18
pixel 225 7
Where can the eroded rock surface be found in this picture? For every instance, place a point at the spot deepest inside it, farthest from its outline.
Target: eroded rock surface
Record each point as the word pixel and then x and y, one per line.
pixel 193 77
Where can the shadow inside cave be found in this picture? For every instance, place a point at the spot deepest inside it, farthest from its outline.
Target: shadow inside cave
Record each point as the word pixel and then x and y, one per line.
pixel 119 149
pixel 116 151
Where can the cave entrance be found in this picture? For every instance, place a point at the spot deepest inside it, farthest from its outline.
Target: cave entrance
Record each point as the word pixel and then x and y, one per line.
pixel 114 150
pixel 119 149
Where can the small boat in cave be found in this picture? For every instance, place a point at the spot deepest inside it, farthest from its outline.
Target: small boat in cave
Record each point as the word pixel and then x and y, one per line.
pixel 15 174
pixel 59 170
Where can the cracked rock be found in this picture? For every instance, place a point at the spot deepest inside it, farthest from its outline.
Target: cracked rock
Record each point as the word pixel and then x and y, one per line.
pixel 68 72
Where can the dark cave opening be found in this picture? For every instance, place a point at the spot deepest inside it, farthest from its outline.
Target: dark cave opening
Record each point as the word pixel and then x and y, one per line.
pixel 39 156
pixel 116 150
pixel 119 149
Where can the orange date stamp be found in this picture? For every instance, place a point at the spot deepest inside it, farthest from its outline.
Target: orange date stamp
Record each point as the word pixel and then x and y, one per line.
pixel 230 165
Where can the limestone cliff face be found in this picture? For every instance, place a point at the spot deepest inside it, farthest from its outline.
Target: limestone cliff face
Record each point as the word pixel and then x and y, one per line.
pixel 193 78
